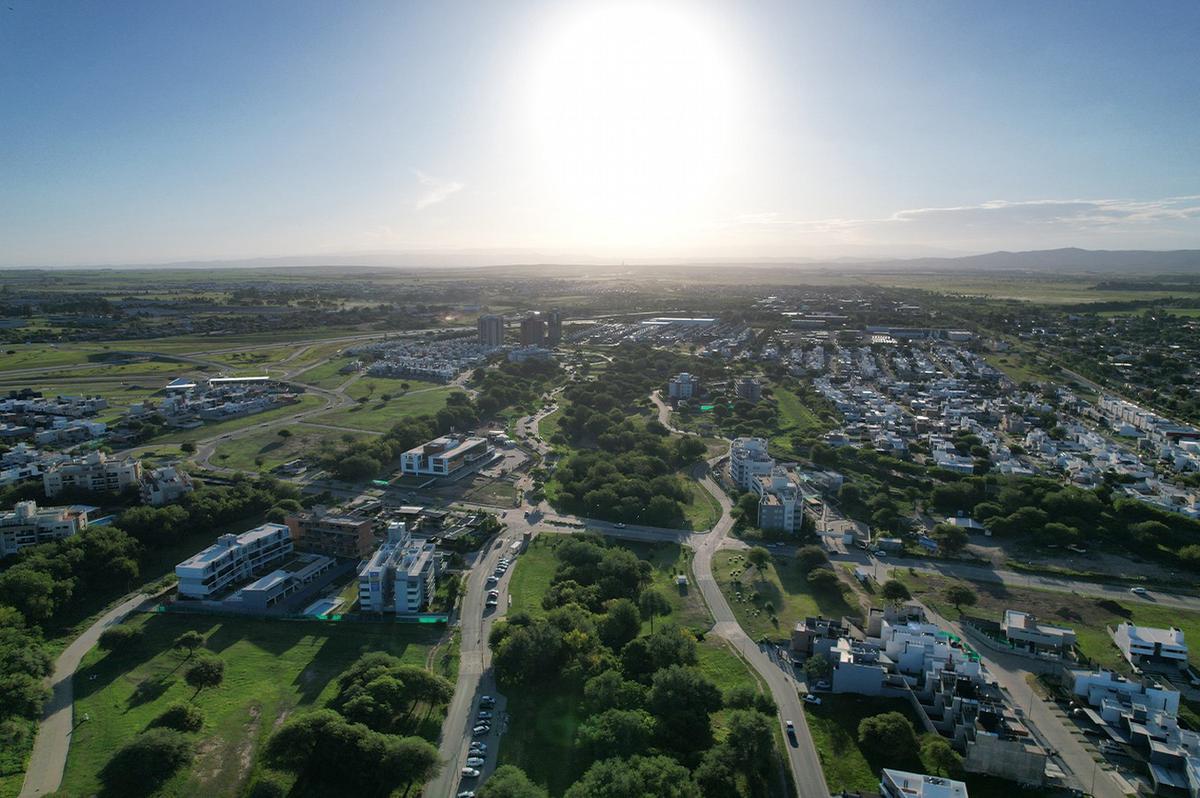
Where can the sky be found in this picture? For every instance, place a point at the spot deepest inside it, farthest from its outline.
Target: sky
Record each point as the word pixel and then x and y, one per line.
pixel 516 131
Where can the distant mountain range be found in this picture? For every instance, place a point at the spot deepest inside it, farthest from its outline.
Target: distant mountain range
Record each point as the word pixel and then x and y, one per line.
pixel 1133 262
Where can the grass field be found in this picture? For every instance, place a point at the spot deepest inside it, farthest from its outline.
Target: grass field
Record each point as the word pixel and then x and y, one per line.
pixel 703 511
pixel 375 387
pixel 549 424
pixel 1088 616
pixel 272 670
pixel 245 452
pixel 307 402
pixel 795 418
pixel 783 585
pixel 379 416
pixel 326 375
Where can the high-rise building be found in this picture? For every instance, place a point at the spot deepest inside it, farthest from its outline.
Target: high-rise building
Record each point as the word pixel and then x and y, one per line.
pixel 533 330
pixel 491 330
pixel 554 327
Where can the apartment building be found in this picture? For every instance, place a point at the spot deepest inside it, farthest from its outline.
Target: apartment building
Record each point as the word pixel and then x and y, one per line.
pixel 554 327
pixel 683 386
pixel 323 530
pixel 780 501
pixel 444 456
pixel 400 576
pixel 28 525
pixel 233 559
pixel 748 459
pixel 902 784
pixel 491 330
pixel 1024 630
pixel 533 330
pixel 165 485
pixel 94 472
pixel 749 389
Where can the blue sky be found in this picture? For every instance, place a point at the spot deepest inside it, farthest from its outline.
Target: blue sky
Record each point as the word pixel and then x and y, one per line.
pixel 141 132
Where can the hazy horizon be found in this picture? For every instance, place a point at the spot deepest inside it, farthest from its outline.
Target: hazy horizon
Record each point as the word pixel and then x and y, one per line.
pixel 146 133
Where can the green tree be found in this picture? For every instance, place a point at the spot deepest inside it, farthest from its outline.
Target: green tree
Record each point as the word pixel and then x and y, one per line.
pixel 658 776
pixel 208 672
pixel 959 595
pixel 509 781
pixel 894 592
pixel 189 641
pixel 616 732
pixel 951 539
pixel 817 667
pixel 122 636
pixel 610 690
pixel 823 580
pixel 890 735
pixel 939 757
pixel 146 762
pixel 181 716
pixel 681 700
pixel 651 604
pixel 622 622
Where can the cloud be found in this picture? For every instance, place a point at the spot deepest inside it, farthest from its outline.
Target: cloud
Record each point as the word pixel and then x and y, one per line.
pixel 435 190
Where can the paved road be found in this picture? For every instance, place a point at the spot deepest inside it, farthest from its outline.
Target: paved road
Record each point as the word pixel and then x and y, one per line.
pixel 802 757
pixel 45 771
pixel 474 677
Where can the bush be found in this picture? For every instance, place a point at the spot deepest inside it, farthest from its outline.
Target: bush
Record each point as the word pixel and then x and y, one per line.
pixel 122 636
pixel 182 717
pixel 269 785
pixel 146 762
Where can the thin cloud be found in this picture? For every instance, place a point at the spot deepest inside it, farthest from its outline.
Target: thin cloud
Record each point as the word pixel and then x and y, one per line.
pixel 436 190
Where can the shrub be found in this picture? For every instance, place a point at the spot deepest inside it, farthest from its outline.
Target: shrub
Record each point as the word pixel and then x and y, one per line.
pixel 181 717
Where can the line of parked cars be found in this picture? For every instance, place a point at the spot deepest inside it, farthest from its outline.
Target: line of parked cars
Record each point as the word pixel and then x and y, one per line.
pixel 477 752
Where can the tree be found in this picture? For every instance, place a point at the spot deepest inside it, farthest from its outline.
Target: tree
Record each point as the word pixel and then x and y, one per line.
pixel 284 433
pixel 119 637
pixel 187 447
pixel 659 776
pixel 890 735
pixel 207 672
pixel 894 592
pixel 681 700
pixel 189 640
pixel 959 595
pixel 181 717
pixel 823 580
pixel 616 732
pixel 652 603
pixel 751 737
pixel 759 558
pixel 509 781
pixel 610 690
pixel 950 538
pixel 621 623
pixel 810 557
pixel 146 762
pixel 817 667
pixel 939 757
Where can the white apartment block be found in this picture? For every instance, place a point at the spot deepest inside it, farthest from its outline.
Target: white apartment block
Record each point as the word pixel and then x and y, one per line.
pixel 748 459
pixel 1146 645
pixel 780 501
pixel 444 456
pixel 28 525
pixel 683 386
pixel 93 472
pixel 400 577
pixel 901 784
pixel 232 559
pixel 164 485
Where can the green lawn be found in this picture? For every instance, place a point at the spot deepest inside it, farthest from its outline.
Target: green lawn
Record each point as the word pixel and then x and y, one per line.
pixel 272 669
pixel 795 418
pixel 379 416
pixel 245 452
pixel 703 511
pixel 549 424
pixel 376 387
pixel 783 585
pixel 307 402
pixel 327 374
pixel 1087 615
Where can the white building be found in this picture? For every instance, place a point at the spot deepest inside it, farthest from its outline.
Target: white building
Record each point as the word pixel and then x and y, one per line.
pixel 682 386
pixel 780 501
pixel 1146 645
pixel 748 459
pixel 93 472
pixel 901 784
pixel 28 525
pixel 232 559
pixel 164 485
pixel 400 577
pixel 446 455
pixel 1024 630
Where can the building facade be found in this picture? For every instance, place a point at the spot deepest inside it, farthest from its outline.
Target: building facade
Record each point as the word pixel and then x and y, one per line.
pixel 749 389
pixel 533 330
pixel 94 472
pixel 1146 646
pixel 165 485
pixel 325 531
pixel 233 559
pixel 683 386
pixel 445 456
pixel 748 459
pixel 401 575
pixel 28 525
pixel 491 330
pixel 554 327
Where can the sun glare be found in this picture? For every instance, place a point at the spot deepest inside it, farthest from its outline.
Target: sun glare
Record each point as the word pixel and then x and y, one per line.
pixel 632 114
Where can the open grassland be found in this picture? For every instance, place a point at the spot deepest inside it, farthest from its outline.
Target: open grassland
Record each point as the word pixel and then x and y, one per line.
pixel 376 415
pixel 703 511
pixel 795 418
pixel 306 403
pixel 1087 615
pixel 326 375
pixel 376 387
pixel 1050 290
pixel 264 450
pixel 782 586
pixel 273 669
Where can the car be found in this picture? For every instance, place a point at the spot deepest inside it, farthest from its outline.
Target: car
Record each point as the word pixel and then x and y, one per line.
pixel 1138 591
pixel 486 700
pixel 492 579
pixel 494 593
pixel 822 685
pixel 466 794
pixel 485 715
pixel 476 745
pixel 791 731
pixel 480 731
pixel 491 603
pixel 470 773
pixel 620 525
pixel 809 698
pixel 475 761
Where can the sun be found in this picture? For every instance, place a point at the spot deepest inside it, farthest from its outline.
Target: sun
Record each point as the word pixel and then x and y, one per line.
pixel 632 114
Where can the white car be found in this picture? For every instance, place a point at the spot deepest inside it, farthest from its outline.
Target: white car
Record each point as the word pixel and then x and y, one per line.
pixel 812 699
pixel 466 794
pixel 470 773
pixel 1138 591
pixel 475 761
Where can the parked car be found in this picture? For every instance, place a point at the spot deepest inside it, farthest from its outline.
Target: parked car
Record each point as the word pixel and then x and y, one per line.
pixel 480 731
pixel 485 715
pixel 812 699
pixel 470 773
pixel 475 761
pixel 466 794
pixel 486 701
pixel 1138 591
pixel 476 745
pixel 822 685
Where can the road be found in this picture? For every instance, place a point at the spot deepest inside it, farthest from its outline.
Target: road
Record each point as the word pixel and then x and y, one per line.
pixel 474 676
pixel 49 757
